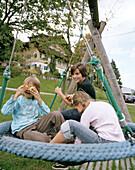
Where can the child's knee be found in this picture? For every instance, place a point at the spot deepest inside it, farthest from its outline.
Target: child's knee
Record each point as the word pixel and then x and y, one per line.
pixel 57 114
pixel 72 123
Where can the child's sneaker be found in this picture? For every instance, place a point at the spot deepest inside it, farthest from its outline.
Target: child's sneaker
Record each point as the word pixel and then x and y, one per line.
pixel 60 166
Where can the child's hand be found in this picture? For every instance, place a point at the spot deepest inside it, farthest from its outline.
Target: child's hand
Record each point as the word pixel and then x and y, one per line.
pixel 58 90
pixel 36 94
pixel 19 91
pixel 69 97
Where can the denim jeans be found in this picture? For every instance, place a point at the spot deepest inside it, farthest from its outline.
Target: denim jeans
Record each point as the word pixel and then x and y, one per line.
pixel 72 128
pixel 71 114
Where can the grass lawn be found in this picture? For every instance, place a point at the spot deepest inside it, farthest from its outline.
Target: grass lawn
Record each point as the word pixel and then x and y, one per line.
pixel 131 109
pixel 12 162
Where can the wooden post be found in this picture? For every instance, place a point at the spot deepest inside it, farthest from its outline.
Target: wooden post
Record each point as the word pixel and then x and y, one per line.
pixel 102 26
pixel 108 70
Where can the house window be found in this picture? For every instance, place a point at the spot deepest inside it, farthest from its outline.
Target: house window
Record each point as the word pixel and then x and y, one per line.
pixel 35 55
pixel 43 56
pixel 40 55
pixel 45 68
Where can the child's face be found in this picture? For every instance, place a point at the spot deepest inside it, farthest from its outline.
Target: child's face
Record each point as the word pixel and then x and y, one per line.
pixel 79 108
pixel 77 76
pixel 27 93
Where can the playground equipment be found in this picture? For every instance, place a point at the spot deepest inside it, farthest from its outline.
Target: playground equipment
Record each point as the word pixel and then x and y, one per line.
pixel 70 152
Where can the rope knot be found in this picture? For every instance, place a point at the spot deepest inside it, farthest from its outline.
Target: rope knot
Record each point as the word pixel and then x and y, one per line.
pixel 7 73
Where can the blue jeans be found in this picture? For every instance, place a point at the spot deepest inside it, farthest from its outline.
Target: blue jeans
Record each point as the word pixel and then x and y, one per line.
pixel 71 114
pixel 72 128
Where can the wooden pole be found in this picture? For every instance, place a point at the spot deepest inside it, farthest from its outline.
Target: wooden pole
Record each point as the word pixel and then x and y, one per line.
pixel 108 70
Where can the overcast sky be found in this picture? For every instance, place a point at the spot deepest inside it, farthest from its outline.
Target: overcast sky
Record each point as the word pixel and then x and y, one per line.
pixel 118 36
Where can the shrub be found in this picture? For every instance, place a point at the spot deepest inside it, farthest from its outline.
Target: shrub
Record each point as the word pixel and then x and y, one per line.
pixel 2 68
pixel 26 70
pixel 47 75
pixel 32 71
pixel 56 74
pixel 16 71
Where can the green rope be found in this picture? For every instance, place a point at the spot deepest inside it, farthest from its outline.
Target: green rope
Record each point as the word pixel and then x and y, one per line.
pixel 7 72
pixel 97 65
pixel 63 75
pixel 6 75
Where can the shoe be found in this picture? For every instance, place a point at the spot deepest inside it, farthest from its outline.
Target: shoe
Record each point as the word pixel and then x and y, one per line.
pixel 60 166
pixel 52 133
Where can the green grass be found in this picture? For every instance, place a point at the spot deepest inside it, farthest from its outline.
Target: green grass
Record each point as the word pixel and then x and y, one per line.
pixel 13 162
pixel 131 109
pixel 46 85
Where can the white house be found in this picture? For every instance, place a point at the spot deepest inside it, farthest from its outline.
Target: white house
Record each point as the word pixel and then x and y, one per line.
pixel 43 64
pixel 39 54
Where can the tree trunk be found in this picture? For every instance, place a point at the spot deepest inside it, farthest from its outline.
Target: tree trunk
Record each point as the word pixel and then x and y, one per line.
pixel 108 70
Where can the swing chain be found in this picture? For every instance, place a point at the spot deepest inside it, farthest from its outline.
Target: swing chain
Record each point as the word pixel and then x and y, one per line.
pixel 130 138
pixel 82 19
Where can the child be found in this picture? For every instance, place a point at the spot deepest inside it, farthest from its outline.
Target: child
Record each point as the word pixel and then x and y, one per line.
pixel 100 115
pixel 79 73
pixel 25 106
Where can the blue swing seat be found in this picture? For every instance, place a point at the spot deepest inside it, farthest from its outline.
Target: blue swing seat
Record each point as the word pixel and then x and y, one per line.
pixel 64 152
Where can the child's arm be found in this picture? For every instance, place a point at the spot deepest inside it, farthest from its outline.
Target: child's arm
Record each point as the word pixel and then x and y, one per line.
pixel 64 98
pixel 19 91
pixel 8 107
pixel 44 109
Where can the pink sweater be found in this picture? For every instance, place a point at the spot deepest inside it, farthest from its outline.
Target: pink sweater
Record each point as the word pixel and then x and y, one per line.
pixel 103 118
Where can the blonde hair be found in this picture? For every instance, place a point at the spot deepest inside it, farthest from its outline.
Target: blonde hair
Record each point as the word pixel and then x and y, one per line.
pixel 34 81
pixel 81 97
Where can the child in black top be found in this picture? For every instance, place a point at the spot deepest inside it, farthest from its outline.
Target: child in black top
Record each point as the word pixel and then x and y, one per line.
pixel 79 73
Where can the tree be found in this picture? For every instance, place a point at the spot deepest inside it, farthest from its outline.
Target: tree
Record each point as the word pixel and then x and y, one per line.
pixel 117 73
pixel 37 13
pixel 6 42
pixel 54 17
pixel 51 45
pixel 52 66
